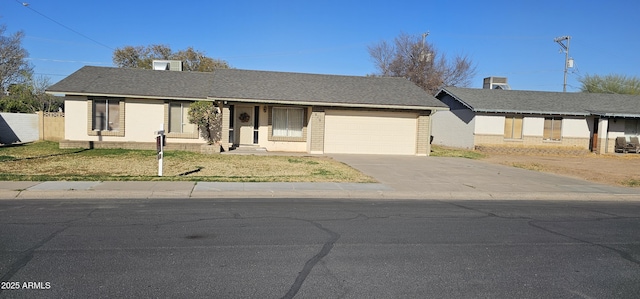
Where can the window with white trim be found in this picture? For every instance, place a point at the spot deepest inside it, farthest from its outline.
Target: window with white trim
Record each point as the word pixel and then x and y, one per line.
pixel 287 122
pixel 106 114
pixel 179 118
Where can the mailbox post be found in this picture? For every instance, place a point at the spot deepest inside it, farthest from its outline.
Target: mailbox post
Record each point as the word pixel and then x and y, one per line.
pixel 160 141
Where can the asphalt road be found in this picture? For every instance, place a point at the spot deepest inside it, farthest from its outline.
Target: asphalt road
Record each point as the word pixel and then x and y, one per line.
pixel 319 248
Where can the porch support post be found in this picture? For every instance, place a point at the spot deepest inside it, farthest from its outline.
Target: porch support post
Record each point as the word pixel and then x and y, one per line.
pixel 224 142
pixel 423 138
pixel 603 135
pixel 317 131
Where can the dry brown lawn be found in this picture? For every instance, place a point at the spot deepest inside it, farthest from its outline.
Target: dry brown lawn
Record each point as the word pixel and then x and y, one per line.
pixel 43 161
pixel 613 169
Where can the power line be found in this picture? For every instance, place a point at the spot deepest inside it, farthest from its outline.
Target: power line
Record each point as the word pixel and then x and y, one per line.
pixel 66 61
pixel 25 4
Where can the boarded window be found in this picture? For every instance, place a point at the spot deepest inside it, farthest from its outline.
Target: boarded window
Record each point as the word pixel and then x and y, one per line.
pixel 179 118
pixel 552 128
pixel 513 127
pixel 287 122
pixel 106 115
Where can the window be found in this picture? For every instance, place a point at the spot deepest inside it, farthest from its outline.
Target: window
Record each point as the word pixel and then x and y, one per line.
pixel 513 127
pixel 287 122
pixel 631 127
pixel 179 118
pixel 552 128
pixel 106 115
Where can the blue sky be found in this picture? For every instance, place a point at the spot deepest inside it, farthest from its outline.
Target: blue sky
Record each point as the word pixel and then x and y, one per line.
pixel 504 38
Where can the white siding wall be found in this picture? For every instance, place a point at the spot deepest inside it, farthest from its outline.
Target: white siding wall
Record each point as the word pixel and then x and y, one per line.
pixel 489 125
pixel 575 127
pixel 616 128
pixel 18 127
pixel 532 126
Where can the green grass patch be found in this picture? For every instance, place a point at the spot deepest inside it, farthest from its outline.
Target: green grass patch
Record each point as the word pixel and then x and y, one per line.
pixel 529 166
pixel 631 183
pixel 441 151
pixel 7 158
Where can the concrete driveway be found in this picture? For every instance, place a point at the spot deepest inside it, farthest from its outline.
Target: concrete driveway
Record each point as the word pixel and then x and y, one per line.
pixel 437 174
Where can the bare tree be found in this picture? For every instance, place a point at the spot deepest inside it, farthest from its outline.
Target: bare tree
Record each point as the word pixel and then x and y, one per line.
pixel 14 68
pixel 142 57
pixel 413 58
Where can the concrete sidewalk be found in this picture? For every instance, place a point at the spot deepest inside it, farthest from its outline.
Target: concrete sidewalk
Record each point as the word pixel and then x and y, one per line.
pixel 400 177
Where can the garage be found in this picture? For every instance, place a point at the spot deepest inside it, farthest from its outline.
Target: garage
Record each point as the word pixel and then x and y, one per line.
pixel 370 132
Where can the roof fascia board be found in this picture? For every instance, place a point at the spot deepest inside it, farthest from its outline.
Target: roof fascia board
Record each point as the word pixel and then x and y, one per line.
pixel 123 96
pixel 457 99
pixel 532 112
pixel 307 103
pixel 613 115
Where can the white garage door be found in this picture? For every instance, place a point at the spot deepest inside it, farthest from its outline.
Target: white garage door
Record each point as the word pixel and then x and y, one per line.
pixel 366 132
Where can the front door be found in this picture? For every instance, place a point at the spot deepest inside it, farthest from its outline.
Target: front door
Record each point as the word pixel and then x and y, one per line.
pixel 244 123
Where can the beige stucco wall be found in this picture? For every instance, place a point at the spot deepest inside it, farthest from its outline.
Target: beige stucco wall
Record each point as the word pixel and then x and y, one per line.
pixel 279 146
pixel 75 119
pixel 142 118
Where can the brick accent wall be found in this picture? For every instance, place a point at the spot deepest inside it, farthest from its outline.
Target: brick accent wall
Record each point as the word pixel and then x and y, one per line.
pixel 192 147
pixel 531 145
pixel 317 132
pixel 582 143
pixel 423 138
pixel 531 150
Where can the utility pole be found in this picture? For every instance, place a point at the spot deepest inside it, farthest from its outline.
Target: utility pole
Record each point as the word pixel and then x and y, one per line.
pixel 568 62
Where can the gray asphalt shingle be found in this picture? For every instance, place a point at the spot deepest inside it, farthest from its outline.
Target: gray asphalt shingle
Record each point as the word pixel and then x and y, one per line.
pixel 136 82
pixel 540 102
pixel 282 86
pixel 246 85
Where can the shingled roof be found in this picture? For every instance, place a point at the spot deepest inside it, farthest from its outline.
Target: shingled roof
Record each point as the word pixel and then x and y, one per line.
pixel 540 102
pixel 248 86
pixel 282 87
pixel 129 82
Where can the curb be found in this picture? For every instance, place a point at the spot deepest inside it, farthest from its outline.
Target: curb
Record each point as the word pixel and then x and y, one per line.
pixel 311 194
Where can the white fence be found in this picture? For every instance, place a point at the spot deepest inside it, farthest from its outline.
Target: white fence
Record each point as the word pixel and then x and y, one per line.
pixel 18 127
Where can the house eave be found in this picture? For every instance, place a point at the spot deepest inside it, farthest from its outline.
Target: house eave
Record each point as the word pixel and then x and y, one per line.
pixel 616 115
pixel 97 94
pixel 503 111
pixel 329 104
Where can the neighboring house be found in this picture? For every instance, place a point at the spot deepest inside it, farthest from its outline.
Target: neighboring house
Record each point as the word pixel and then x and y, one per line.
pixel 119 107
pixel 510 118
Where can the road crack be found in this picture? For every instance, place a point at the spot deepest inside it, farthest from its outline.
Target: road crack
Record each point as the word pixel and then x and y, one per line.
pixel 313 261
pixel 623 254
pixel 27 255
